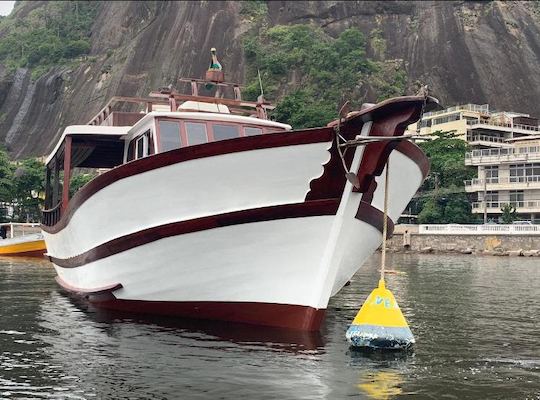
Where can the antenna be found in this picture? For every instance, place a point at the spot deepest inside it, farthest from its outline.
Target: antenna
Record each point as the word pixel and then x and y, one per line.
pixel 260 82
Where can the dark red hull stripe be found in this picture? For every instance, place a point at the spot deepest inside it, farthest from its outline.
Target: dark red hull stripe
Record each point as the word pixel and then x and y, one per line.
pixel 366 212
pixel 118 245
pixel 95 291
pixel 374 217
pixel 282 139
pixel 267 314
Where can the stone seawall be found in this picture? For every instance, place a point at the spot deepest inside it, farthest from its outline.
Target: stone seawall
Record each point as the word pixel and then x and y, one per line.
pixel 485 244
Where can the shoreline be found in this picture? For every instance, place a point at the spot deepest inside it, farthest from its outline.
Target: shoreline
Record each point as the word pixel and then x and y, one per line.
pixel 408 239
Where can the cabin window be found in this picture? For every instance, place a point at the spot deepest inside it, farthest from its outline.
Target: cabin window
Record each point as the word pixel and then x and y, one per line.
pixel 131 151
pixel 223 132
pixel 150 141
pixel 169 135
pixel 251 131
pixel 142 146
pixel 196 133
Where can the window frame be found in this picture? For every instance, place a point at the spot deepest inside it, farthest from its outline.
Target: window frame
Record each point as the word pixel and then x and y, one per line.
pixel 158 133
pixel 137 140
pixel 196 121
pixel 263 131
pixel 238 125
pixel 209 126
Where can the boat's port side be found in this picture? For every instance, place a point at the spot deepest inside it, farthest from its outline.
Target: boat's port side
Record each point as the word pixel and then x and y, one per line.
pixel 267 262
pixel 172 192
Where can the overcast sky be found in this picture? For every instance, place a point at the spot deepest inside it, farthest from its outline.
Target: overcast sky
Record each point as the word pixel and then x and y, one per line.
pixel 6 7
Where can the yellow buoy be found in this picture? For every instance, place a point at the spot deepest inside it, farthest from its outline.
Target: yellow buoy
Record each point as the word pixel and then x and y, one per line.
pixel 380 324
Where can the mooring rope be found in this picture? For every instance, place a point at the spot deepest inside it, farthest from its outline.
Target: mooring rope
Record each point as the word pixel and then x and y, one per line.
pixel 385 219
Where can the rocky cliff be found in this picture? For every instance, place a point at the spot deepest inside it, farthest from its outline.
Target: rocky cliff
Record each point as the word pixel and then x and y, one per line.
pixel 482 52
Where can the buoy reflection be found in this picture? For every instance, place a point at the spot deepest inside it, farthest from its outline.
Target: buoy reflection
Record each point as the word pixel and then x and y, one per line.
pixel 381 384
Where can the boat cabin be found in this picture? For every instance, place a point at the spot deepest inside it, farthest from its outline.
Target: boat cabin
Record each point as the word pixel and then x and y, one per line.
pixel 165 121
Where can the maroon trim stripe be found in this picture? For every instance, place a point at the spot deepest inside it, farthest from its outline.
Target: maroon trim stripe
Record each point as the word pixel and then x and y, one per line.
pixel 374 217
pixel 366 213
pixel 266 141
pixel 287 316
pixel 118 245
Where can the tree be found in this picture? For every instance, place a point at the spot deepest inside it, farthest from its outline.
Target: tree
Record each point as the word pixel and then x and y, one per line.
pixel 431 212
pixel 28 184
pixel 78 181
pixel 508 213
pixel 447 157
pixel 6 176
pixel 446 200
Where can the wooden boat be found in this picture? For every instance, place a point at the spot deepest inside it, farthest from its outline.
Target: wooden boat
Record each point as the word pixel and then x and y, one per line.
pixel 211 210
pixel 21 239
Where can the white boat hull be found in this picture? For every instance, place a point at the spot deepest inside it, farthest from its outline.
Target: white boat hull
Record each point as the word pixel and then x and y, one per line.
pixel 247 236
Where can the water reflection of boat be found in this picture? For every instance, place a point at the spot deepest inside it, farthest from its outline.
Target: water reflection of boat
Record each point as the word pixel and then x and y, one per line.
pixel 104 357
pixel 210 210
pixel 21 239
pixel 281 339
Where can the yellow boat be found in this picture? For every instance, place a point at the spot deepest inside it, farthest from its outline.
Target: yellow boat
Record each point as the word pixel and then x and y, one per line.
pixel 18 239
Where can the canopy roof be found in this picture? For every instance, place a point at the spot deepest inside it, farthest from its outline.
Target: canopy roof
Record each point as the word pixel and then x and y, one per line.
pixel 93 146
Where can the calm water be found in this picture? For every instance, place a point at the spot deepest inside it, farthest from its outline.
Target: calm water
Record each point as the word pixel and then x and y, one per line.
pixel 476 322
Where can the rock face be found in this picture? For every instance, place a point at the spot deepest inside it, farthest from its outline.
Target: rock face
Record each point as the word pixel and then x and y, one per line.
pixel 482 52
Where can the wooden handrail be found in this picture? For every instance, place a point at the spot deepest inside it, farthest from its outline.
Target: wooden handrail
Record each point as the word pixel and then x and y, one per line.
pixel 105 111
pixel 215 100
pixel 52 216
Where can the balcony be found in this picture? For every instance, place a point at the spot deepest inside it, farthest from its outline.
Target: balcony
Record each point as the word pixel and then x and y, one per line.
pixel 486 140
pixel 504 155
pixel 494 207
pixel 499 126
pixel 484 109
pixel 504 183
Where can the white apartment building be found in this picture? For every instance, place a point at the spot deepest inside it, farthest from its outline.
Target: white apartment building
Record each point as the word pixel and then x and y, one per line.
pixel 505 149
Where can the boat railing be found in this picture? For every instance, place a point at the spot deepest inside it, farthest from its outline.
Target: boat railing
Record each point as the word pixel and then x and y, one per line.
pixel 103 115
pixel 52 216
pixel 504 125
pixel 17 229
pixel 486 229
pixel 172 99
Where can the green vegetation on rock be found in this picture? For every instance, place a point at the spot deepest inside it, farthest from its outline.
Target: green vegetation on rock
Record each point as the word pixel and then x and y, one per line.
pixel 311 74
pixel 47 36
pixel 253 9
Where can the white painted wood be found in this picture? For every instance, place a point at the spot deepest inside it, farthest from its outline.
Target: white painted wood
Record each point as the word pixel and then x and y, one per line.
pixel 87 130
pixel 271 261
pixel 298 261
pixel 192 189
pixel 405 179
pixel 334 248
